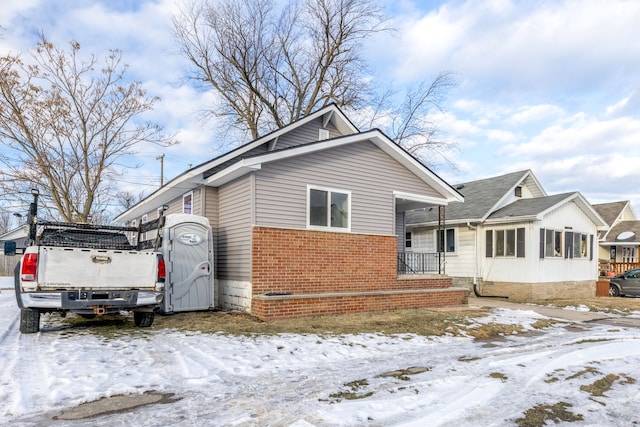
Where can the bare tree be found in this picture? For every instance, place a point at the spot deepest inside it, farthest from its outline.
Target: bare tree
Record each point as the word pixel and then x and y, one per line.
pixel 127 199
pixel 5 221
pixel 414 124
pixel 271 68
pixel 67 123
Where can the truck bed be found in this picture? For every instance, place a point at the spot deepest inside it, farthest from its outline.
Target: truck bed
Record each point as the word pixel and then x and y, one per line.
pixel 64 268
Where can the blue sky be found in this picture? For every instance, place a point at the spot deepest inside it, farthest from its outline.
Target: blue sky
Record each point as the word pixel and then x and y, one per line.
pixel 550 86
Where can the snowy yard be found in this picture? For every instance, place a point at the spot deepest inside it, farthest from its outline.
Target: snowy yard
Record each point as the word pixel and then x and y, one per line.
pixel 313 380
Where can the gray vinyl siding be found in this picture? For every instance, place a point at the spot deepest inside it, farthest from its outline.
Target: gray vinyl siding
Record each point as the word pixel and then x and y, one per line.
pixel 305 134
pixel 362 168
pixel 175 205
pixel 234 230
pixel 211 206
pixel 400 231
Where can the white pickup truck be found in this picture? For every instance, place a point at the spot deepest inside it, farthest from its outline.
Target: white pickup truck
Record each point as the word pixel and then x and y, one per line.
pixel 89 270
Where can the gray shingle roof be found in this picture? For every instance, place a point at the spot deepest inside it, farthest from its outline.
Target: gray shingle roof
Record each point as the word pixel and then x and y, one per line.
pixel 479 198
pixel 633 226
pixel 610 211
pixel 529 207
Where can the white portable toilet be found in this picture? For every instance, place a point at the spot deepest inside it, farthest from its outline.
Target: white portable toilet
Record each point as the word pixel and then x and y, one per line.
pixel 187 247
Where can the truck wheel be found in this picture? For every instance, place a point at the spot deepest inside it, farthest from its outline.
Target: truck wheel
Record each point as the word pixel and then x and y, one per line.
pixel 29 320
pixel 143 319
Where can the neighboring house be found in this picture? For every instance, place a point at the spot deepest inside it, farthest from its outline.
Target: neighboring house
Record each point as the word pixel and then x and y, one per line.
pixel 306 220
pixel 511 239
pixel 620 242
pixel 19 235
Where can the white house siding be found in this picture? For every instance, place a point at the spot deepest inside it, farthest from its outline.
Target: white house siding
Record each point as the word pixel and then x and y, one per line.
pixel 457 264
pixel 305 134
pixel 461 263
pixel 627 214
pixel 561 268
pixel 510 269
pixel 362 168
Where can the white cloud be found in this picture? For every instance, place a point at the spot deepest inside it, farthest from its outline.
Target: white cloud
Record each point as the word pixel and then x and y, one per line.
pixel 534 113
pixel 524 46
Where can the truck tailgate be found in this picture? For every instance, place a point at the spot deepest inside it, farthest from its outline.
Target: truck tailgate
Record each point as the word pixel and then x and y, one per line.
pixel 73 268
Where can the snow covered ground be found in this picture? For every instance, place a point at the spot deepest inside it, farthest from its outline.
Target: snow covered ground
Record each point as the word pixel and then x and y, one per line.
pixel 304 380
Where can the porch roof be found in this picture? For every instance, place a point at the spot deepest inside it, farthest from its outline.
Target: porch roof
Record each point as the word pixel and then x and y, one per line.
pixel 623 233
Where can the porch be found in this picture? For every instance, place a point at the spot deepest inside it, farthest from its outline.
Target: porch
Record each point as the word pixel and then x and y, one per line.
pixel 613 268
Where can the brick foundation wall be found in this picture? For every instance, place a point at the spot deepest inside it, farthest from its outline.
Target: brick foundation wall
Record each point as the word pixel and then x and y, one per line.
pixel 523 292
pixel 289 306
pixel 333 273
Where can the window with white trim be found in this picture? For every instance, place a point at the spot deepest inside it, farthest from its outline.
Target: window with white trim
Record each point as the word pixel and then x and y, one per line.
pixel 552 243
pixel 580 245
pixel 144 219
pixel 447 240
pixel 328 208
pixel 187 203
pixel 407 239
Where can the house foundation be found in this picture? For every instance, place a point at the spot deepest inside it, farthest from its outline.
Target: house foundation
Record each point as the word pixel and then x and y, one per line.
pixel 523 292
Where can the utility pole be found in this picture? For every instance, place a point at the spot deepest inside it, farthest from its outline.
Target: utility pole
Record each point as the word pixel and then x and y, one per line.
pixel 161 158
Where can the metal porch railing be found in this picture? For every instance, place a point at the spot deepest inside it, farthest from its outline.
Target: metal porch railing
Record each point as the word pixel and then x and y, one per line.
pixel 419 263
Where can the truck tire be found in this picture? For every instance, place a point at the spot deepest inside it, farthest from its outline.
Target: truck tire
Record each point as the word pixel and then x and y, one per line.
pixel 143 319
pixel 29 320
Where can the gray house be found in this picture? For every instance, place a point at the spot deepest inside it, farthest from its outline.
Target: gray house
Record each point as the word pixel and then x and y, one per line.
pixel 306 220
pixel 510 238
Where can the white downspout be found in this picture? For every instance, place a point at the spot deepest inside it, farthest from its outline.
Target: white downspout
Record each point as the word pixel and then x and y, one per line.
pixel 475 253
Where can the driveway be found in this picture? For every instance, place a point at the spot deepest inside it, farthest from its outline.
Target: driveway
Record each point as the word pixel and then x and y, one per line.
pixel 567 314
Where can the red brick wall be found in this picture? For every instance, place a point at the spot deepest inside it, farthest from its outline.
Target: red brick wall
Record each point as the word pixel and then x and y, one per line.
pixel 301 262
pixel 280 307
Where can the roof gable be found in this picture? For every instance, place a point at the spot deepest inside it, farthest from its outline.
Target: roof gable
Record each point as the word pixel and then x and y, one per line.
pixel 330 115
pixel 379 139
pixel 612 212
pixel 251 156
pixel 482 197
pixel 493 200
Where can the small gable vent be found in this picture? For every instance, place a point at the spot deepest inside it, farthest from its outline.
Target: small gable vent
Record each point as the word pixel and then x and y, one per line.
pixel 518 191
pixel 323 134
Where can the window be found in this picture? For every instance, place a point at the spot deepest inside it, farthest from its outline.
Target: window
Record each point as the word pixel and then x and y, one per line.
pixel 407 239
pixel 329 208
pixel 500 243
pixel 505 243
pixel 552 243
pixel 144 219
pixel 187 203
pixel 580 245
pixel 447 240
